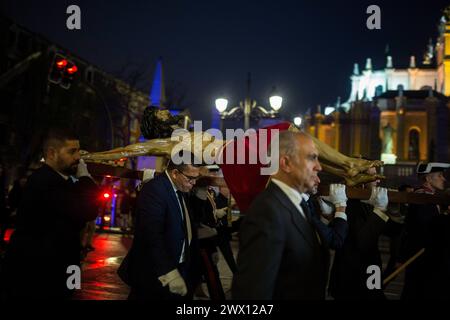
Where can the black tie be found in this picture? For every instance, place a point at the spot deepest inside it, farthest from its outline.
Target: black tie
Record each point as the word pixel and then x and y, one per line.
pixel 306 210
pixel 186 239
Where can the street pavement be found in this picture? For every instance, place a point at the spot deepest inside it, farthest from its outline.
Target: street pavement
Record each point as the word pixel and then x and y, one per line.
pixel 99 270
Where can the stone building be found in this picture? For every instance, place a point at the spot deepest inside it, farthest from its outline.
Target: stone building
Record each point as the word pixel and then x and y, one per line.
pixel 398 115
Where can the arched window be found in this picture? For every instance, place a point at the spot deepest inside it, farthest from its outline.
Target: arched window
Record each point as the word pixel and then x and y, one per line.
pixel 413 149
pixel 378 90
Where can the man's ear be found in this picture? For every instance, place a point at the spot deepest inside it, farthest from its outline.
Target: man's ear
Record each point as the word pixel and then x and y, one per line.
pixel 51 153
pixel 285 164
pixel 172 173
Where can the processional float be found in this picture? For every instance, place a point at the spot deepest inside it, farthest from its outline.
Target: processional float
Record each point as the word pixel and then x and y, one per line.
pixel 244 180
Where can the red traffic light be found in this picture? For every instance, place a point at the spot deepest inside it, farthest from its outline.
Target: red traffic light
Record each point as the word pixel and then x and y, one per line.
pixel 62 71
pixel 72 69
pixel 68 74
pixel 106 195
pixel 61 63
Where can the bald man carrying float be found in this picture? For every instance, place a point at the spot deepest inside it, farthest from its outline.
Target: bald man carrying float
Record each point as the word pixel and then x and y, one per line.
pixel 281 255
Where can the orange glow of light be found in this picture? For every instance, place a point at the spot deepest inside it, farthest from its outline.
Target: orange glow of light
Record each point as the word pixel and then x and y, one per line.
pixel 72 69
pixel 107 218
pixel 61 64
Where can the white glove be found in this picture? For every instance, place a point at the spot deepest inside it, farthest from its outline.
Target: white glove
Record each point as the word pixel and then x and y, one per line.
pixel 148 174
pixel 325 207
pixel 220 213
pixel 82 170
pixel 337 195
pixel 178 286
pixel 175 281
pixel 379 198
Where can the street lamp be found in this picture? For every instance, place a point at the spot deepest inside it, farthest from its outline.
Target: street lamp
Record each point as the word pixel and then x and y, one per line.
pixel 221 105
pixel 298 121
pixel 248 108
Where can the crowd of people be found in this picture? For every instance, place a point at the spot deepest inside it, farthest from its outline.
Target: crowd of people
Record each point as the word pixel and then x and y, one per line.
pixel 285 237
pixel 179 227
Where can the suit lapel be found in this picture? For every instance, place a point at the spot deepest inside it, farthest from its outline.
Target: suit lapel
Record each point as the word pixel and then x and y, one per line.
pixel 173 199
pixel 299 222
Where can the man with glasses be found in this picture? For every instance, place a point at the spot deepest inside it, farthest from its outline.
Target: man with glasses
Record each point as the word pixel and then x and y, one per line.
pixel 163 250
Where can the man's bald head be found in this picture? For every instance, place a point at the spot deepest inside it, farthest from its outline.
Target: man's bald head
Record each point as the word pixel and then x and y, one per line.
pixel 298 161
pixel 290 141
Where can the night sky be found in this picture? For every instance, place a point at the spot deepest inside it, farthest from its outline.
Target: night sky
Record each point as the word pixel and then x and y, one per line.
pixel 304 48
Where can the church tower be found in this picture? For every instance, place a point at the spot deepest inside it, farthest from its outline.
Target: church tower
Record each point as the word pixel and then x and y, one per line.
pixel 158 91
pixel 443 53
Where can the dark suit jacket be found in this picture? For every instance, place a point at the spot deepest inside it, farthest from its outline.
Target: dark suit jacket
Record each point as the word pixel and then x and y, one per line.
pixel 280 256
pixel 158 238
pixel 428 277
pixel 360 250
pixel 50 217
pixel 334 233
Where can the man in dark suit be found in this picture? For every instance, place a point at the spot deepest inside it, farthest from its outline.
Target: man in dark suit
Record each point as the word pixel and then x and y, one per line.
pixel 280 251
pixel 367 220
pixel 161 260
pixel 330 223
pixel 428 226
pixel 54 208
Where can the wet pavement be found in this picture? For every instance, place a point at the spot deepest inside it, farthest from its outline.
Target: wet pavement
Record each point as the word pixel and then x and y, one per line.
pixel 99 270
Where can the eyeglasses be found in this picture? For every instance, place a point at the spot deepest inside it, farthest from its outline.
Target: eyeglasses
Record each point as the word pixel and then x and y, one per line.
pixel 190 178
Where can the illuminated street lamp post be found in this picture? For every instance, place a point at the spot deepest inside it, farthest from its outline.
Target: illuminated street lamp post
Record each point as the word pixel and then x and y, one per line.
pixel 248 108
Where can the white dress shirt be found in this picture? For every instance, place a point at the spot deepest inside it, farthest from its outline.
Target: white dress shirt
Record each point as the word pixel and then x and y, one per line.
pixel 293 195
pixel 188 222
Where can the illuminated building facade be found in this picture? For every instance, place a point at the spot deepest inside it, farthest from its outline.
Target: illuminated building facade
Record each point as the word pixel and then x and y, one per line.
pixel 397 115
